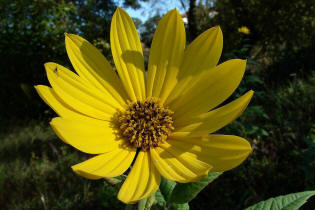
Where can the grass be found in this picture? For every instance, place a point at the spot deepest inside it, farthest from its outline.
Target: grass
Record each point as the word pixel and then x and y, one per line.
pixel 35 173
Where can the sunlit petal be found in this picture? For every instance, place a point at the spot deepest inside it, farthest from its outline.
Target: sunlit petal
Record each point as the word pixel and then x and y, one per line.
pixel 127 54
pixel 91 65
pixel 78 95
pixel 90 135
pixel 214 120
pixel 142 181
pixel 223 152
pixel 178 165
pixel 109 164
pixel 201 55
pixel 166 54
pixel 210 90
pixel 56 103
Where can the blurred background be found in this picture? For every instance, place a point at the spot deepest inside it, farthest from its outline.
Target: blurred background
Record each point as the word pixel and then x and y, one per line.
pixel 277 39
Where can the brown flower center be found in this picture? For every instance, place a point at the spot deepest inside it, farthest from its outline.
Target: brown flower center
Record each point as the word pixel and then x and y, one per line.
pixel 146 123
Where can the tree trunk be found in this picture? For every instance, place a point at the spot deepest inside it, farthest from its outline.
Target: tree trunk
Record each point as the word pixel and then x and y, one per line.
pixel 192 26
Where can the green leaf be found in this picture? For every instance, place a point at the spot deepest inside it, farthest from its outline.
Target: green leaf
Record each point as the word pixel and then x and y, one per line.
pixel 129 207
pixel 179 206
pixel 146 203
pixel 285 202
pixel 183 193
pixel 160 198
pixel 113 180
pixel 150 201
pixel 166 188
pixel 142 204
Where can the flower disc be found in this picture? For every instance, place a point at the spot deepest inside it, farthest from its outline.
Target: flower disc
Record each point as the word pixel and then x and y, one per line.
pixel 146 124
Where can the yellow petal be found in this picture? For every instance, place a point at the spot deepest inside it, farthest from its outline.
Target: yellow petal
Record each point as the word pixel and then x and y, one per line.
pixel 210 89
pixel 142 181
pixel 223 152
pixel 213 120
pixel 109 164
pixel 56 103
pixel 201 55
pixel 80 96
pixel 87 175
pixel 127 54
pixel 91 65
pixel 166 54
pixel 177 165
pixel 89 135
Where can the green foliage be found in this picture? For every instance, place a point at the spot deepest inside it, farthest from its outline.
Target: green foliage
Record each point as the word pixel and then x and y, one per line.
pixel 148 29
pixel 177 206
pixel 167 188
pixel 309 156
pixel 135 4
pixel 184 193
pixel 276 25
pixel 281 34
pixel 286 202
pixel 146 203
pixel 31 34
pixel 172 195
pixel 160 199
pixel 1 178
pixel 35 174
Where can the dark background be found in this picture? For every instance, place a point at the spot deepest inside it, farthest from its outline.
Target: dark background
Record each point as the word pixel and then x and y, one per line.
pixel 35 168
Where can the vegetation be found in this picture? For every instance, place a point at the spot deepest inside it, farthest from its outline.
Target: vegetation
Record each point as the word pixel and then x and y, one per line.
pixel 35 168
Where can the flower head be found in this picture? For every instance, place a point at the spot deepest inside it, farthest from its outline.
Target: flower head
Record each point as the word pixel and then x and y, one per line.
pixel 244 30
pixel 162 119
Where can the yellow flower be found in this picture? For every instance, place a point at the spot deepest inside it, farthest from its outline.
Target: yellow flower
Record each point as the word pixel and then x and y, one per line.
pixel 244 30
pixel 161 119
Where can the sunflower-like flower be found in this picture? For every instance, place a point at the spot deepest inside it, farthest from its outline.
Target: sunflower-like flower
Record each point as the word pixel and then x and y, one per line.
pixel 156 123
